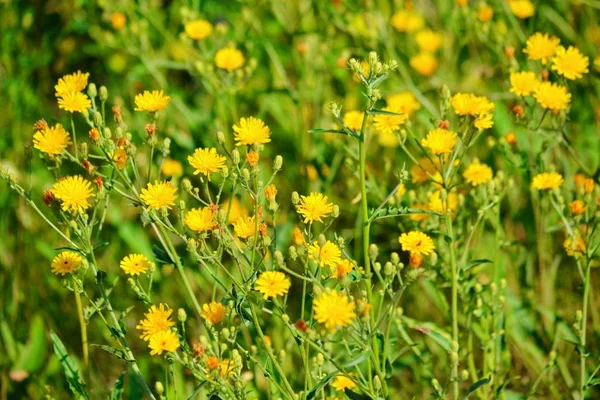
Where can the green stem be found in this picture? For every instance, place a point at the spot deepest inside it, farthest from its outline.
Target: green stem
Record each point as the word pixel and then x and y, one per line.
pixel 74 136
pixel 454 273
pixel 582 333
pixel 83 327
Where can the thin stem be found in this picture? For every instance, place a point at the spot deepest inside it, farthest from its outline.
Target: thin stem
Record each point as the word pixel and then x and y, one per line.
pixel 83 327
pixel 454 273
pixel 74 136
pixel 582 333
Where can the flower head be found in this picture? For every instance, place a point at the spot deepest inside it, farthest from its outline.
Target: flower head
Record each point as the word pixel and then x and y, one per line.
pixel 424 63
pixel 484 121
pixel 74 102
pixel 334 309
pixel 577 207
pixel 66 262
pixel 198 29
pixel 157 319
pixel 51 140
pixel 314 207
pixel 353 120
pixel 436 204
pixel 250 131
pixel 522 8
pixel 428 40
pixel 135 264
pixel 164 341
pixel 272 284
pixel 200 219
pixel 388 123
pixel 470 104
pixel 213 312
pixel 342 268
pixel 478 173
pixel 327 255
pixel 440 141
pixel 271 192
pixel 206 161
pixel 229 59
pixel 547 180
pixel 244 227
pixel 407 21
pixel 552 96
pixel 158 195
pixel 575 248
pixel 405 102
pixel 171 167
pixel 74 82
pixel 73 192
pixel 416 242
pixel 523 83
pixel 342 382
pixel 151 101
pixel 541 46
pixel 570 63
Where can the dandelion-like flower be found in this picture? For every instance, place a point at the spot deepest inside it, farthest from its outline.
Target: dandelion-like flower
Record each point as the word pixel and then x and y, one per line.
pixel 575 248
pixel 523 83
pixel 577 207
pixel 171 167
pixel 73 193
pixel 155 100
pixel 570 63
pixel 135 264
pixel 206 161
pixel 74 102
pixel 74 82
pixel 342 382
pixel 541 46
pixel 51 140
pixel 213 312
pixel 416 242
pixel 389 123
pixel 334 309
pixel 229 59
pixel 405 102
pixel 353 120
pixel 428 40
pixel 407 21
pixel 342 268
pixel 552 96
pixel 470 104
pixel 547 181
pixel 157 319
pixel 272 284
pixel 200 219
pixel 314 207
pixel 478 173
pixel 436 204
pixel 165 341
pixel 198 29
pixel 522 8
pixel 484 121
pixel 440 141
pixel 158 195
pixel 244 227
pixel 424 63
pixel 327 255
pixel 65 263
pixel 250 131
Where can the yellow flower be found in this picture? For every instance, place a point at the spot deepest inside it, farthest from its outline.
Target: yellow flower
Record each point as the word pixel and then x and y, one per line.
pixel 66 262
pixel 547 180
pixel 272 284
pixel 135 264
pixel 250 131
pixel 271 192
pixel 298 237
pixel 552 96
pixel 416 242
pixel 227 368
pixel 436 204
pixel 342 268
pixel 118 20
pixel 577 207
pixel 570 63
pixel 485 13
pixel 353 120
pixel 424 63
pixel 157 319
pixel 244 227
pixel 440 141
pixel 73 192
pixel 478 173
pixel 418 172
pixel 200 219
pixel 206 161
pixel 213 312
pixel 171 167
pixel 428 40
pixel 74 82
pixel 470 104
pixel 159 195
pixel 74 102
pixel 575 248
pixel 229 59
pixel 165 341
pixel 198 29
pixel 151 101
pixel 314 207
pixel 327 255
pixel 334 309
pixel 51 140
pixel 523 83
pixel 405 102
pixel 388 139
pixel 541 46
pixel 387 123
pixel 522 8
pixel 407 21
pixel 342 382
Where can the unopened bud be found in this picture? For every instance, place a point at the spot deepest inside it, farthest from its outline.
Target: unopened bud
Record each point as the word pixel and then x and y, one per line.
pixel 103 93
pixel 181 315
pixel 92 91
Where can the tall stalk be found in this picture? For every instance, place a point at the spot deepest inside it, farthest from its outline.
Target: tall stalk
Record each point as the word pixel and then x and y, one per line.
pixel 582 332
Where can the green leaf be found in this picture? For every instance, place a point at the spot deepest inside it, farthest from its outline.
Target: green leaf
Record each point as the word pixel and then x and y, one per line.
pixel 476 386
pixel 355 396
pixel 197 390
pixel 115 352
pixel 33 355
pixel 321 130
pixel 117 391
pixel 474 263
pixel 376 111
pixel 69 368
pixel 315 390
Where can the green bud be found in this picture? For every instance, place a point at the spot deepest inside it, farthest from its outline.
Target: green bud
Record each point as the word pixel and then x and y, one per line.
pixel 97 119
pixel 295 198
pixel 159 388
pixel 103 93
pixel 278 163
pixel 181 315
pixel 373 251
pixel 92 92
pixel 221 138
pixel 235 155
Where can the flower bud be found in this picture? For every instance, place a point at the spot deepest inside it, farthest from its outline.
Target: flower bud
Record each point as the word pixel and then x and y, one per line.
pixel 159 388
pixel 373 251
pixel 235 155
pixel 278 163
pixel 92 92
pixel 97 118
pixel 181 315
pixel 103 93
pixel 295 198
pixel 221 138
